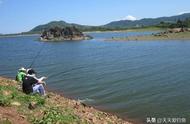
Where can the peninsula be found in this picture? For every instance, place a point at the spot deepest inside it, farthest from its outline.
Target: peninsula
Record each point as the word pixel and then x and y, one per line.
pixel 171 34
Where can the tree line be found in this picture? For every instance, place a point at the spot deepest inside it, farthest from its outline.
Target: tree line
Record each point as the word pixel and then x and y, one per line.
pixel 179 24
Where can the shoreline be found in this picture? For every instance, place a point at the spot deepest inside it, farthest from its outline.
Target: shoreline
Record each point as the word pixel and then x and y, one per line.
pixel 99 108
pixel 125 30
pixel 128 30
pixel 18 35
pixel 154 37
pixel 84 112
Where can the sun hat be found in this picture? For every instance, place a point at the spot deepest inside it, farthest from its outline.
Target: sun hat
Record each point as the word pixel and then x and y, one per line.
pixel 22 69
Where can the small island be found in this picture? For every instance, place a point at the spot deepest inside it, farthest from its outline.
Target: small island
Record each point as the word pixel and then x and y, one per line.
pixel 63 34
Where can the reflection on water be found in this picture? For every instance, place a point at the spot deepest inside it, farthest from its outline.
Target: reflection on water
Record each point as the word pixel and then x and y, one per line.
pixel 133 79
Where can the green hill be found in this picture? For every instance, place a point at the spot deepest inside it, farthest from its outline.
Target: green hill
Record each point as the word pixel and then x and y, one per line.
pixel 146 21
pixel 63 24
pixel 115 25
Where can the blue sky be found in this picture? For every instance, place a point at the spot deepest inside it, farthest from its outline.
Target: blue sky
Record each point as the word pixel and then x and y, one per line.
pixel 23 15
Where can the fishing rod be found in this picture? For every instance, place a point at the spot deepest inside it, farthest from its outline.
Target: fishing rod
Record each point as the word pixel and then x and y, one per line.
pixel 38 53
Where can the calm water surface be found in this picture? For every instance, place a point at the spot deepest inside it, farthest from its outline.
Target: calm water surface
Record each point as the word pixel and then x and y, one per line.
pixel 136 79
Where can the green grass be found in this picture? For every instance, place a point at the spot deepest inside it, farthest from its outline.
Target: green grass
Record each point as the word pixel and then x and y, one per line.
pixel 50 113
pixel 55 115
pixel 5 121
pixel 5 100
pixel 15 95
pixel 148 28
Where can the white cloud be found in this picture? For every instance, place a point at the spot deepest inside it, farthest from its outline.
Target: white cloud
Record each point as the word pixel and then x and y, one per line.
pixel 183 12
pixel 130 17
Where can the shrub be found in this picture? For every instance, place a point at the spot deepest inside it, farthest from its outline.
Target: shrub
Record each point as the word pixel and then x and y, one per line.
pixel 55 116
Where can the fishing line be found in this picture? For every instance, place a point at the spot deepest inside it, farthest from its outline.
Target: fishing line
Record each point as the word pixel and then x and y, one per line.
pixel 38 53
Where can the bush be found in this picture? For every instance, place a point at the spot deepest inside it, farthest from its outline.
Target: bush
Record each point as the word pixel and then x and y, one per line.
pixel 56 116
pixel 4 101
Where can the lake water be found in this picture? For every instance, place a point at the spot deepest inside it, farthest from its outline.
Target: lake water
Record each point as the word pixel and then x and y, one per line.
pixel 136 79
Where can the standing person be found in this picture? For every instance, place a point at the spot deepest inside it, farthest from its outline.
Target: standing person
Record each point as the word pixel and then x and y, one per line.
pixel 31 84
pixel 20 75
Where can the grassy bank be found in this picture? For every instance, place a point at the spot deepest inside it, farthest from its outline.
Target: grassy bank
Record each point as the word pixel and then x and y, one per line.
pixel 152 37
pixel 17 107
pixel 143 29
pixel 151 28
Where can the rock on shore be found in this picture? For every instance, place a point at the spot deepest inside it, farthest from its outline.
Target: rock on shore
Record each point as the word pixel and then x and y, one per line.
pixel 62 34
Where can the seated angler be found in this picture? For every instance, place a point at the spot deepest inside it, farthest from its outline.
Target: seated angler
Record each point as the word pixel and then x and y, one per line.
pixel 32 84
pixel 20 75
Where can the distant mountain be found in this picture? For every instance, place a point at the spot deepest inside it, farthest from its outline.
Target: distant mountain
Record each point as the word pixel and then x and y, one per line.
pixel 146 21
pixel 115 25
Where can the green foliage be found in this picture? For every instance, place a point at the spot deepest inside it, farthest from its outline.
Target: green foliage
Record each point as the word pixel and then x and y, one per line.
pixel 51 114
pixel 187 22
pixel 39 99
pixel 30 98
pixel 5 121
pixel 55 116
pixel 164 24
pixel 15 95
pixel 5 100
pixel 178 24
